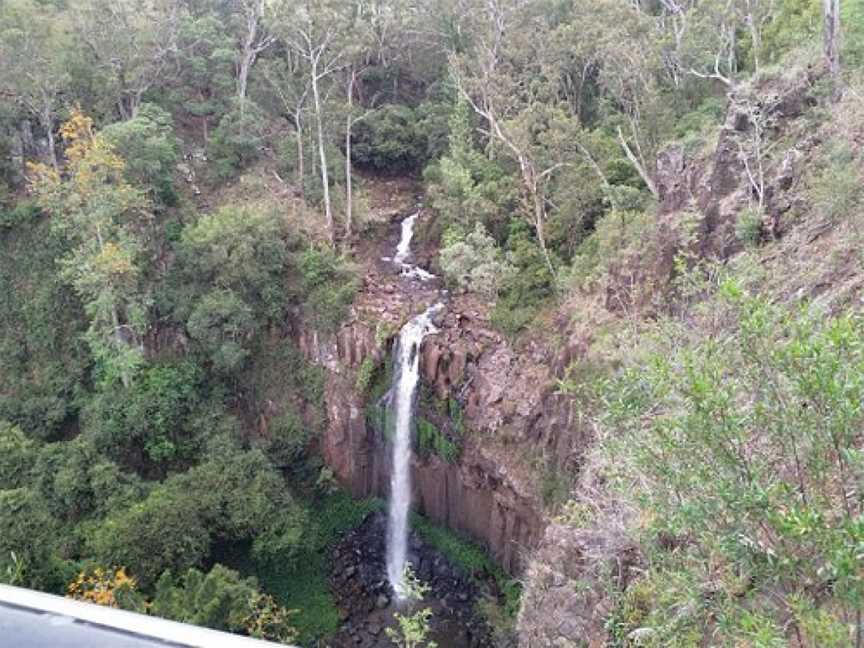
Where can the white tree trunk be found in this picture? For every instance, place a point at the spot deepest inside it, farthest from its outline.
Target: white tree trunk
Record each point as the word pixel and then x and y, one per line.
pixel 349 192
pixel 322 154
pixel 831 34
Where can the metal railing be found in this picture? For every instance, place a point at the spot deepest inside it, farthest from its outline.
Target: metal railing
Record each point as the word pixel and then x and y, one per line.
pixel 30 619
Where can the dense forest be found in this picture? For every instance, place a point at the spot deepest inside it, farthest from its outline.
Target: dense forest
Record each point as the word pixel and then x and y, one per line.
pixel 663 196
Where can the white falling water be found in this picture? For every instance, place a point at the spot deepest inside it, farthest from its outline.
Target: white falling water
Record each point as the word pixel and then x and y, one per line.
pixel 406 375
pixel 403 251
pixel 407 370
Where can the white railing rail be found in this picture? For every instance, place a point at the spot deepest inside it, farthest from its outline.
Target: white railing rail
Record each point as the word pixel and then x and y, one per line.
pixel 28 618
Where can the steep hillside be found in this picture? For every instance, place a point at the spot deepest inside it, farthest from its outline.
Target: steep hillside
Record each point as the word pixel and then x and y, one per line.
pixel 701 296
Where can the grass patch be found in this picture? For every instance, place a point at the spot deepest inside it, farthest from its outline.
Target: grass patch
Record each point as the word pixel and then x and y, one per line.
pixel 471 560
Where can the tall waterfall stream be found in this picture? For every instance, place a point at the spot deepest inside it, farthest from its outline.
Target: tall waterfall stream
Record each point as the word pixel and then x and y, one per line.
pixel 402 393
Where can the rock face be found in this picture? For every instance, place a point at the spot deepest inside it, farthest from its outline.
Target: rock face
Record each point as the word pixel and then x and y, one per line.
pixel 505 399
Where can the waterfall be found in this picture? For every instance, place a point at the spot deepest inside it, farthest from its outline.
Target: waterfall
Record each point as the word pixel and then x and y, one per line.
pixel 401 409
pixel 403 251
pixel 406 375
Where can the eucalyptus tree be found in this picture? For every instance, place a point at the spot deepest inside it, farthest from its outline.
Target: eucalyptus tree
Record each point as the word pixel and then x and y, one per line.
pixel 33 37
pixel 203 74
pixel 108 221
pixel 253 40
pixel 502 79
pixel 317 32
pixel 131 42
pixel 286 79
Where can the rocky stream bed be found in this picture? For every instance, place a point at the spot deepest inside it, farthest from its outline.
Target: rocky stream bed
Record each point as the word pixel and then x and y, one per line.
pixel 358 579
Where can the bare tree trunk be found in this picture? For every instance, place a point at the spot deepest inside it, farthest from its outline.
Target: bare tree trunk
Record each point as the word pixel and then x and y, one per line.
pixel 349 123
pixel 301 173
pixel 48 125
pixel 831 35
pixel 755 36
pixel 246 60
pixel 322 154
pixel 640 168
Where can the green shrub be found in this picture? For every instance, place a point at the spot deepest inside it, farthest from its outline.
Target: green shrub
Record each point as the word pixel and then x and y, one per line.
pixel 525 291
pixel 235 143
pixel 365 375
pixel 241 249
pixel 223 600
pixel 223 325
pixel 752 440
pixel 149 148
pixel 152 418
pixel 475 263
pixel 836 191
pixel 470 559
pixel 327 287
pixel 389 139
pixel 45 361
pixel 430 440
pixel 232 496
pixel 748 227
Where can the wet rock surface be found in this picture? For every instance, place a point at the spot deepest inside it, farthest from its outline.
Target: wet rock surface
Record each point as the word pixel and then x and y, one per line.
pixel 358 579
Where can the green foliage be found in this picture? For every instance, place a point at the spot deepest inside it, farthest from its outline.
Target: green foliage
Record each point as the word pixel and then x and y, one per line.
pixel 327 287
pixel 44 359
pixel 527 289
pixel 148 145
pixel 464 186
pixel 223 600
pixel 223 325
pixel 474 262
pixel 156 417
pixel 105 218
pixel 242 249
pixel 835 191
pixel 748 227
pixel 411 630
pixel 234 495
pixel 470 559
pixel 389 139
pixel 233 263
pixel 31 540
pixel 365 375
pixel 430 440
pixel 303 585
pixel 747 458
pixel 236 141
pixel 287 440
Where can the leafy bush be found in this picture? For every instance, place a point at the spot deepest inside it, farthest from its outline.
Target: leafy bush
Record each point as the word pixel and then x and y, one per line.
pixel 835 192
pixel 465 187
pixel 153 418
pixel 327 287
pixel 475 263
pixel 234 495
pixel 236 141
pixel 223 324
pixel 149 148
pixel 748 227
pixel 223 600
pixel 389 139
pixel 526 289
pixel 430 440
pixel 241 249
pixel 44 359
pixel 745 466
